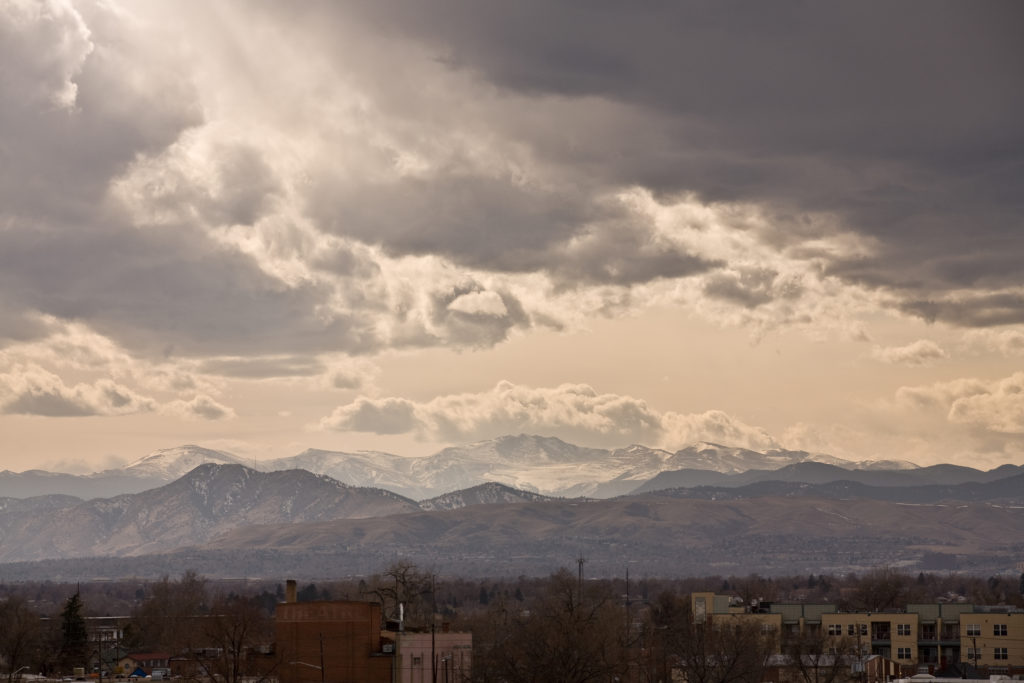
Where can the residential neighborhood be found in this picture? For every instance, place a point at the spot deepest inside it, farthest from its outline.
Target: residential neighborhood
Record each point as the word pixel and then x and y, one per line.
pixel 406 626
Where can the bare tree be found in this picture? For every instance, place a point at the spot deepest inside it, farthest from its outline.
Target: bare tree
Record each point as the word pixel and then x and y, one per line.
pixel 729 650
pixel 404 589
pixel 20 634
pixel 880 589
pixel 231 638
pixel 815 657
pixel 561 636
pixel 166 619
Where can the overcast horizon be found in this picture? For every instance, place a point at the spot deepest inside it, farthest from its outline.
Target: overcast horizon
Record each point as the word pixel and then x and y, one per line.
pixel 390 225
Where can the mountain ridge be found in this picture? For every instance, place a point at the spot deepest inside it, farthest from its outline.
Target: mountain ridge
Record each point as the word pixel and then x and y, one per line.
pixel 542 464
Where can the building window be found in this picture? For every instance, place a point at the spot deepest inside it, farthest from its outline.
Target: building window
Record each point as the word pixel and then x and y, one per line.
pixel 903 629
pixel 999 629
pixel 973 655
pixel 767 628
pixel 903 653
pixel 974 629
pixel 999 653
pixel 835 629
pixel 851 629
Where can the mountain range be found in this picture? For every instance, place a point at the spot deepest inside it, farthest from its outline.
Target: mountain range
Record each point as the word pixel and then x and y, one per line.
pixel 544 465
pixel 789 512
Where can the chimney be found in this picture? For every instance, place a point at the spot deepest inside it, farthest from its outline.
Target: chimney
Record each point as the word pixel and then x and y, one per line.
pixel 290 591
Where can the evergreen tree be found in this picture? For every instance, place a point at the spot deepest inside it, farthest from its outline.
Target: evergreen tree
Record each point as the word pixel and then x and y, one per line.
pixel 74 636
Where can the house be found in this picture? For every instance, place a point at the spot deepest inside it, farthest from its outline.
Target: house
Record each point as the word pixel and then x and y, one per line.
pixel 420 655
pixel 147 661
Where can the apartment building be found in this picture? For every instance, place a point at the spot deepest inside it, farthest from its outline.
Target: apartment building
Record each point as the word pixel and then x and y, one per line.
pixel 932 637
pixel 993 639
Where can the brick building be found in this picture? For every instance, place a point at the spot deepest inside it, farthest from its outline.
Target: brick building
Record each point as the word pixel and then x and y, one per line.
pixel 336 641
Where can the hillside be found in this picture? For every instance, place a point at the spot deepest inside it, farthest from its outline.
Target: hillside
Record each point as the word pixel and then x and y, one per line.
pixel 209 500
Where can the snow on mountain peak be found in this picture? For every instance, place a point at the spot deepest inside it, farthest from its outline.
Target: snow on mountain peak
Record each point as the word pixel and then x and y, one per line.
pixel 171 463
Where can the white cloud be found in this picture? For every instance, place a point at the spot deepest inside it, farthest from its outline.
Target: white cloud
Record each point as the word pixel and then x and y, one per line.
pixel 573 411
pixel 920 352
pixel 380 416
pixel 201 407
pixel 31 390
pixel 350 373
pixel 999 408
pixel 715 426
pixel 43 44
pixel 940 395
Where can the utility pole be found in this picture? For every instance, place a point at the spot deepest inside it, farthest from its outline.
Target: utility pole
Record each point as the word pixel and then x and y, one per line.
pixel 580 562
pixel 433 630
pixel 628 623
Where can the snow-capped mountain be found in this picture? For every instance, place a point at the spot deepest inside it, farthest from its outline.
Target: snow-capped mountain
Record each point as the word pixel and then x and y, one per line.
pixel 368 468
pixel 168 464
pixel 544 465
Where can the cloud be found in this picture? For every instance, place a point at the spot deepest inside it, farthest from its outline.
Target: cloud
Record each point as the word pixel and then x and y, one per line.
pixel 262 367
pixel 380 416
pixel 78 466
pixel 921 352
pixel 736 105
pixel 47 75
pixel 749 289
pixel 988 407
pixel 201 407
pixel 34 391
pixel 1000 408
pixel 479 303
pixel 572 411
pixel 1008 342
pixel 226 222
pixel 984 309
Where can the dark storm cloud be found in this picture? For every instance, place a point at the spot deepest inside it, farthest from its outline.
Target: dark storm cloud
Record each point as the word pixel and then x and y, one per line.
pixel 475 220
pixel 169 292
pixel 983 310
pixel 904 120
pixel 80 120
pixel 501 225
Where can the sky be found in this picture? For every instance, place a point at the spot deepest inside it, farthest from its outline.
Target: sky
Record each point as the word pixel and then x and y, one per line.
pixel 397 225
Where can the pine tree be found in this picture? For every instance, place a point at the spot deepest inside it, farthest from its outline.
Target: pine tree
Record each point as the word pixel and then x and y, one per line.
pixel 74 636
